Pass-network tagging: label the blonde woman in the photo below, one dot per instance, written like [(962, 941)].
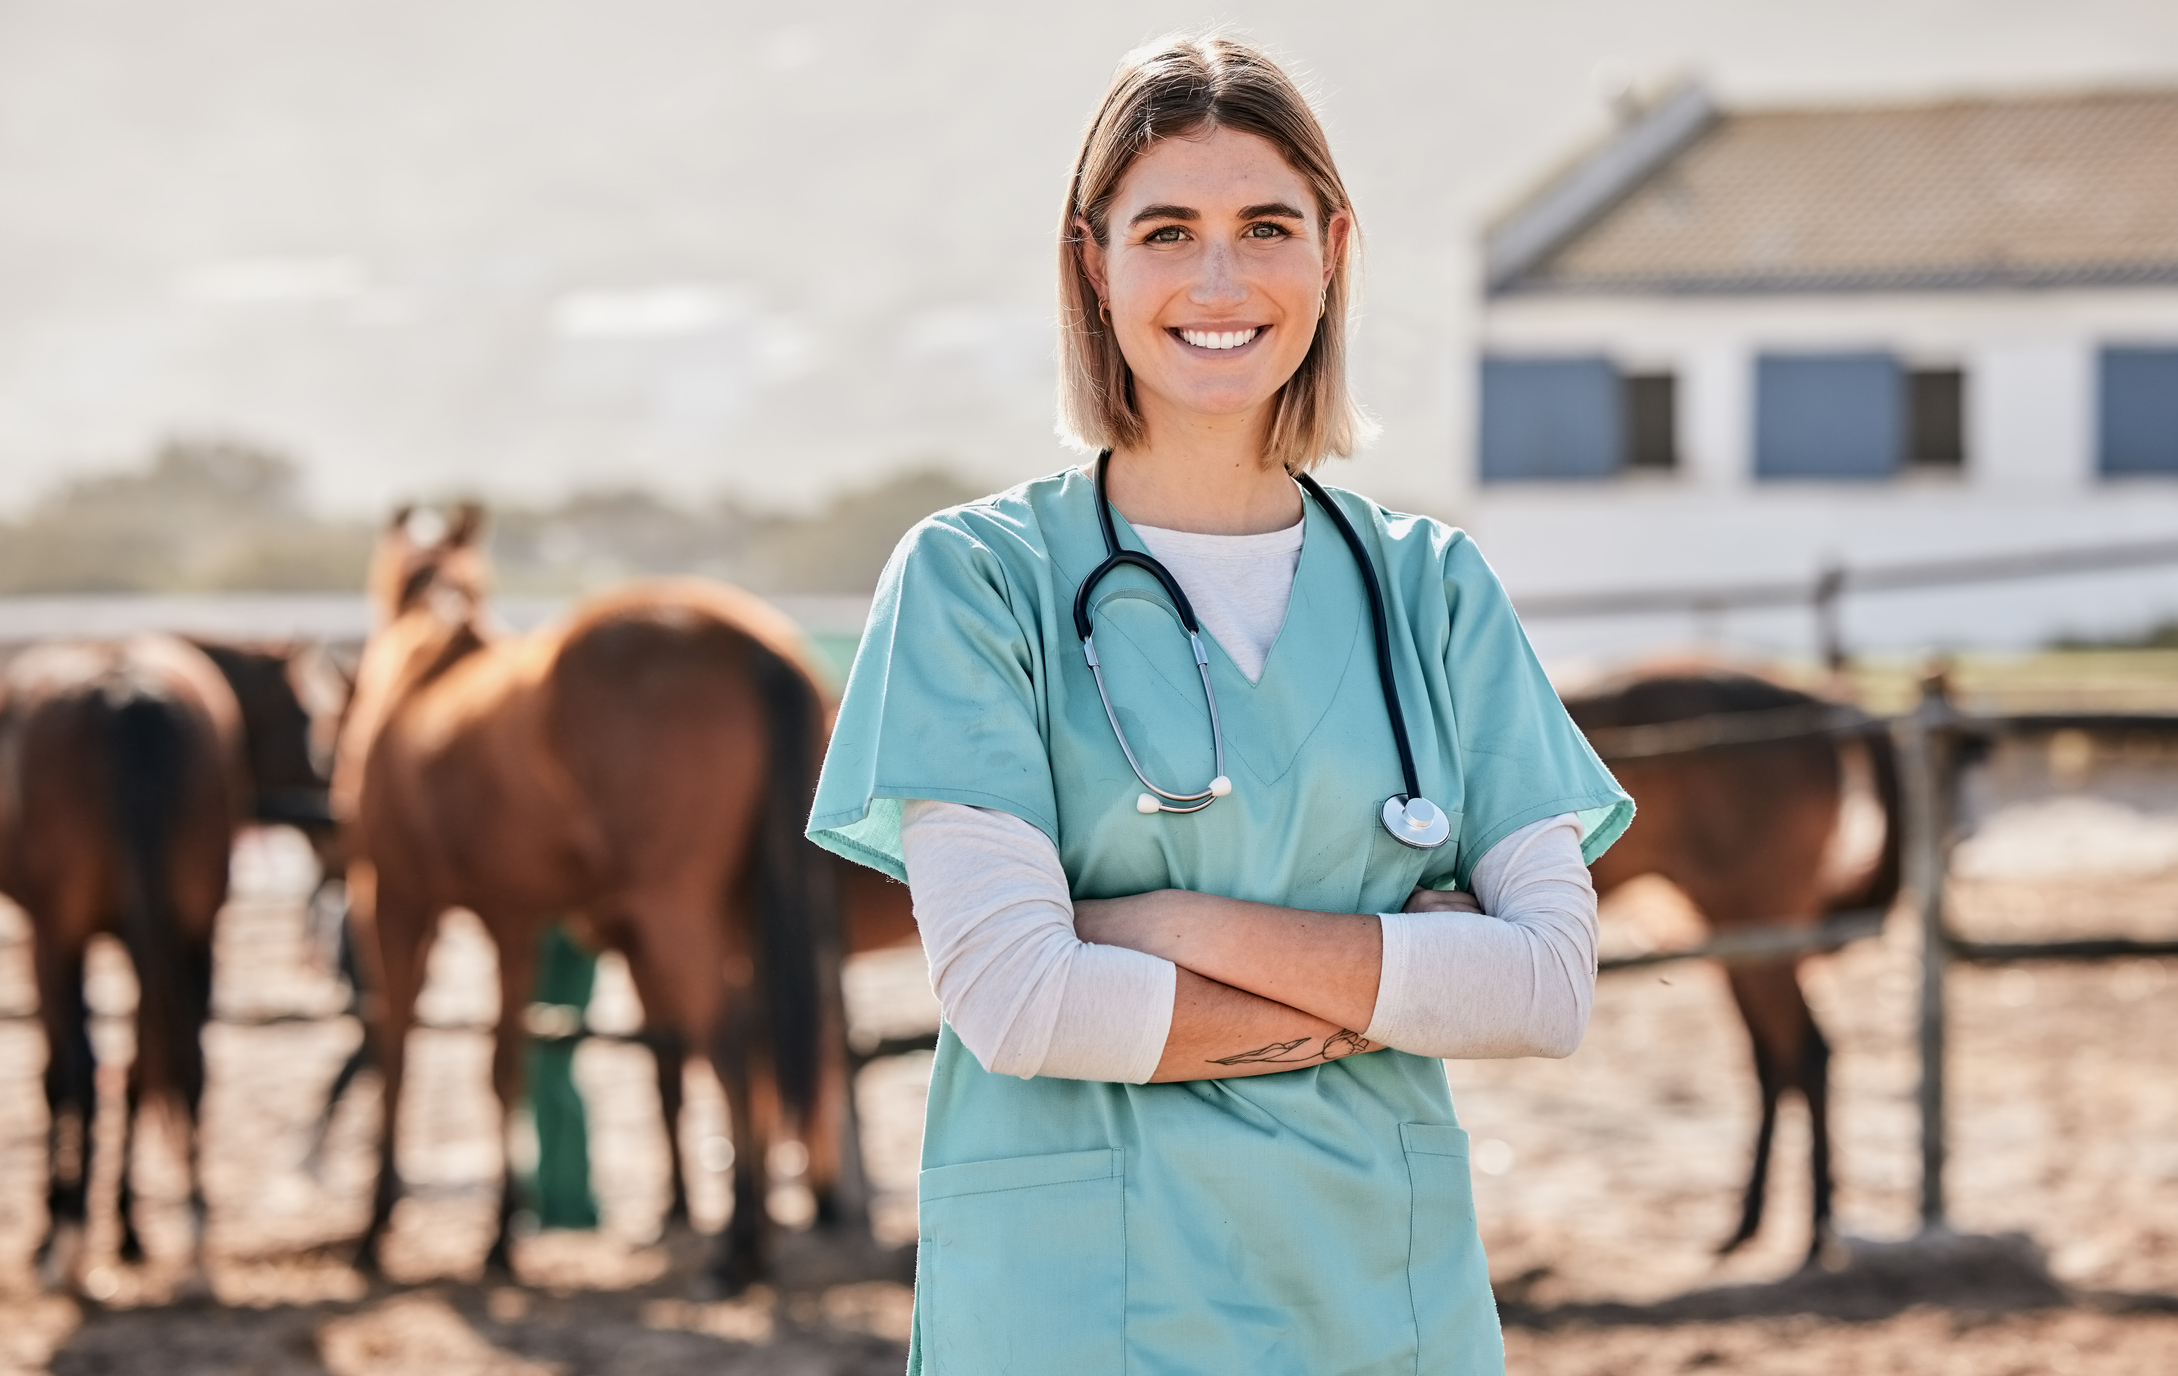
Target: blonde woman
[(1191, 765)]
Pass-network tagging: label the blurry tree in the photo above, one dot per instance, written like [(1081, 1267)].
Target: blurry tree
[(596, 539), (217, 515), (206, 515), (843, 548)]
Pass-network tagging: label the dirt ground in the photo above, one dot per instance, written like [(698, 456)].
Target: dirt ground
[(1603, 1181)]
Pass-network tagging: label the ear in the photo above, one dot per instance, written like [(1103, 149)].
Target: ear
[(1094, 261), (1336, 235), (463, 524)]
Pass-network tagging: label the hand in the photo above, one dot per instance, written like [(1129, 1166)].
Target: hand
[(1441, 901)]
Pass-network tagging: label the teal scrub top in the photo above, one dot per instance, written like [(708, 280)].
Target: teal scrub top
[(1311, 1222)]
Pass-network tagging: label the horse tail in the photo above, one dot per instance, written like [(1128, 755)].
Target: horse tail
[(1880, 888), (797, 900), (149, 734)]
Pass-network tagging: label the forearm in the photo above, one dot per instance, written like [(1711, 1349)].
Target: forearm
[(1518, 982), (1219, 1032), (1324, 964), (1023, 993)]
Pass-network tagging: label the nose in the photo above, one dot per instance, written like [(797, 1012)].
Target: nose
[(1219, 284)]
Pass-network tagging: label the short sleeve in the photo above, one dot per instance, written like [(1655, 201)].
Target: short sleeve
[(1522, 758), (941, 703)]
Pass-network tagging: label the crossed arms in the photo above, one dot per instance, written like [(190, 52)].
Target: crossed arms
[(1260, 989)]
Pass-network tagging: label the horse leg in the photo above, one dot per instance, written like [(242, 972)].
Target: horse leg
[(71, 1099), (743, 1256), (517, 942), (834, 1140), (1758, 1176), (401, 928), (197, 970), (671, 1051), (1815, 1085), (1779, 1030), (131, 1248)]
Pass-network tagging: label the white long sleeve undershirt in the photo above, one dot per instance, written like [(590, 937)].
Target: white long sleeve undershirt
[(1027, 997)]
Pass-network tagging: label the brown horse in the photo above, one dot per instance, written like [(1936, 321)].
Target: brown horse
[(1741, 786), (121, 784), (645, 767)]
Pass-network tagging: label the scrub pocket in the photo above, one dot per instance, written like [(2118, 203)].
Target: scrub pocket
[(1022, 1266), (1455, 1317)]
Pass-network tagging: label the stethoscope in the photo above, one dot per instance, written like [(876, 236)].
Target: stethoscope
[(1411, 819)]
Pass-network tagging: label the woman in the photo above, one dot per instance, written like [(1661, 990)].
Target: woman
[(1187, 1113)]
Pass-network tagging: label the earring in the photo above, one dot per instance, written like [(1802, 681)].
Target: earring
[(1104, 309), (1323, 299)]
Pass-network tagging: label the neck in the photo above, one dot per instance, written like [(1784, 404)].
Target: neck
[(400, 657), (1206, 475)]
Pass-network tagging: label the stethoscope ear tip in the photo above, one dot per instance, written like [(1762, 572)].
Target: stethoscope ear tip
[(1145, 804), (1220, 786)]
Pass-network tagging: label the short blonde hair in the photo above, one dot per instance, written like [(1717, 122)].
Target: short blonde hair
[(1175, 87)]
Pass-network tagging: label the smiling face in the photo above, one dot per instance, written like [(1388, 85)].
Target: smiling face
[(1214, 268)]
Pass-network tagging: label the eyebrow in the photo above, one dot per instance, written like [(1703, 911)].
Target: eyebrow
[(1163, 212), (1269, 210)]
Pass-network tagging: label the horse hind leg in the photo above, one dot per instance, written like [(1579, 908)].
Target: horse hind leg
[(1778, 1029), (400, 934), (71, 1097), (1815, 1086), (837, 1179), (184, 1064), (670, 1050), (743, 1253), (517, 943), (131, 1246), (1758, 1175)]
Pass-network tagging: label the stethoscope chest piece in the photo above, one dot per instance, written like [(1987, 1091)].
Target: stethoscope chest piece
[(1416, 822)]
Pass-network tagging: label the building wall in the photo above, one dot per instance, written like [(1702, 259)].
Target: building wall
[(2029, 481)]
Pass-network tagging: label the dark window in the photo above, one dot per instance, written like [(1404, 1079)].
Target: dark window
[(1550, 418), (2139, 411), (1652, 428), (1936, 418), (1828, 415)]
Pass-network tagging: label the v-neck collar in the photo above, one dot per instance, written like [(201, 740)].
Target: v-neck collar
[(1266, 722)]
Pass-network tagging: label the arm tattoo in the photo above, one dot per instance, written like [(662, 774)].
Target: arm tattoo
[(1298, 1051)]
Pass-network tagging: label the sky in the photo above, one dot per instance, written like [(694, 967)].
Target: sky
[(719, 248)]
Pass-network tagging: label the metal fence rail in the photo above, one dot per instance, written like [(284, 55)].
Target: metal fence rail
[(1935, 744)]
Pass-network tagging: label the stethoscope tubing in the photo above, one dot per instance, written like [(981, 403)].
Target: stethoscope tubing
[(1380, 621)]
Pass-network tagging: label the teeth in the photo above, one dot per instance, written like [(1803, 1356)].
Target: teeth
[(1219, 339)]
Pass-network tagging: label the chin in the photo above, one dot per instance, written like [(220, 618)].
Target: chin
[(1223, 400)]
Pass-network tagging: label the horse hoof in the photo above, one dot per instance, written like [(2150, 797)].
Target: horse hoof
[(194, 1286), (60, 1259), (726, 1280)]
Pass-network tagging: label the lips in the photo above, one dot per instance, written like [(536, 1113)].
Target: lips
[(1219, 339)]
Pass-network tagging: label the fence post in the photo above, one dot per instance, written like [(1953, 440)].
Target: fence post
[(1927, 758)]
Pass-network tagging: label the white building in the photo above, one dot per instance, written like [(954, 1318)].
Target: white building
[(1730, 348)]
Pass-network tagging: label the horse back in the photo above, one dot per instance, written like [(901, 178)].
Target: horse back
[(1743, 827)]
